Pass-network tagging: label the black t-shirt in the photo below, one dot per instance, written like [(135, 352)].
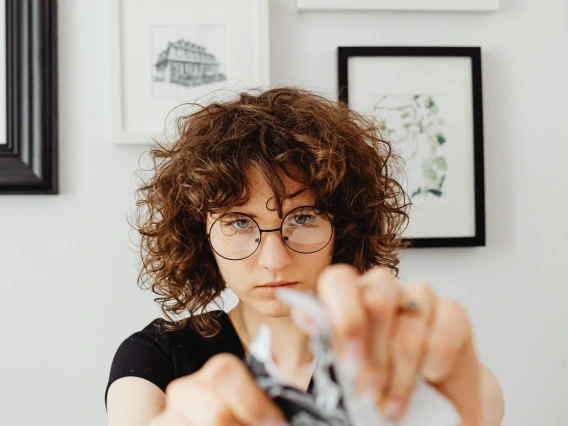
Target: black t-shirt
[(161, 356)]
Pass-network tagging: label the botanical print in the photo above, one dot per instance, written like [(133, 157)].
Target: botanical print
[(416, 126), (186, 57)]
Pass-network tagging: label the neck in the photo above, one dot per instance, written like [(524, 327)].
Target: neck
[(290, 348)]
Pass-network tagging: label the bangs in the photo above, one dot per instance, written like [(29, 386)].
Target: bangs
[(274, 157), (238, 191)]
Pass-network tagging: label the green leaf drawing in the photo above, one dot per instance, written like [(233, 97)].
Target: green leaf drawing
[(430, 175), (433, 143), (439, 163), (420, 123)]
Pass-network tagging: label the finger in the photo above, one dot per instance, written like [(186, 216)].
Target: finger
[(449, 333), (223, 392), (171, 416), (341, 297), (230, 379), (210, 409), (451, 363), (162, 420), (167, 418), (191, 402), (381, 296), (408, 345)]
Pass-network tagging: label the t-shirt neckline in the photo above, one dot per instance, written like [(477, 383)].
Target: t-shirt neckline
[(234, 336)]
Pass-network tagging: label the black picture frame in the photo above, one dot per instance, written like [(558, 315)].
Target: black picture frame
[(28, 162), (344, 53)]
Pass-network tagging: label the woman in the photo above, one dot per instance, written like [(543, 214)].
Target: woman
[(283, 188)]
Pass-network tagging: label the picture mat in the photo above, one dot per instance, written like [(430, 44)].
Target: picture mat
[(140, 114), (3, 99), (452, 215), (464, 5)]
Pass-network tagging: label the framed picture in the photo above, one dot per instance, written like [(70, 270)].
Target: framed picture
[(28, 97), (3, 100), (427, 102), (456, 5), (168, 55)]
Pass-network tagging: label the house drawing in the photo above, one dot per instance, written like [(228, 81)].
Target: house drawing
[(187, 64)]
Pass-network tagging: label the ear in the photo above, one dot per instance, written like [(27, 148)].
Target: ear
[(303, 321)]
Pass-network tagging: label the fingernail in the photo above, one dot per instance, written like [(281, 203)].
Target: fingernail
[(373, 388), (353, 350), (351, 358), (392, 410), (350, 368), (370, 396), (380, 381), (373, 381)]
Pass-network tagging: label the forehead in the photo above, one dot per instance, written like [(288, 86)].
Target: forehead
[(261, 194)]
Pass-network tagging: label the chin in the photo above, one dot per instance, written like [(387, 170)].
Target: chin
[(274, 309)]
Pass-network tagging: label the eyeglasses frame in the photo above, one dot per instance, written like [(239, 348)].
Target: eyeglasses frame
[(208, 235)]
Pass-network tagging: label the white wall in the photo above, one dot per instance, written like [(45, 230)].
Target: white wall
[(67, 272)]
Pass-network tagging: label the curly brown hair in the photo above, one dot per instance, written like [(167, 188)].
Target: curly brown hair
[(336, 152)]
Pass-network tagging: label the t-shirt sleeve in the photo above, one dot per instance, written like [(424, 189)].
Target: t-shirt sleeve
[(146, 354)]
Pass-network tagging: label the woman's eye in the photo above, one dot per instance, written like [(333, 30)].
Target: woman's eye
[(301, 219), (241, 223)]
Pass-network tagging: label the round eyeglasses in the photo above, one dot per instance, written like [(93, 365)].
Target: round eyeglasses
[(236, 236)]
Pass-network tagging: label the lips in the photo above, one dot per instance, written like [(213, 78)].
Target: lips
[(275, 284), (271, 288)]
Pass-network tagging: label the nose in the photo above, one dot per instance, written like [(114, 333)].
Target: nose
[(273, 253)]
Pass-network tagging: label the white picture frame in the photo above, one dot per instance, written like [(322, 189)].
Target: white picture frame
[(229, 41), (433, 5)]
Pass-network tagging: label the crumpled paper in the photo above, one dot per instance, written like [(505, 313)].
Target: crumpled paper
[(333, 400)]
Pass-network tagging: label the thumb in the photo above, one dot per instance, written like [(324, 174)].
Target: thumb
[(463, 387)]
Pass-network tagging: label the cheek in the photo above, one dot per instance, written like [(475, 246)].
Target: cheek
[(313, 264), (233, 272), (225, 266)]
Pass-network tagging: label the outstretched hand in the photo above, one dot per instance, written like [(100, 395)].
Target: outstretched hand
[(398, 333)]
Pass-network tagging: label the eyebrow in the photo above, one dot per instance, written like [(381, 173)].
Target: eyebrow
[(284, 214)]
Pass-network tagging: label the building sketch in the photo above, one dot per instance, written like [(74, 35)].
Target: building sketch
[(188, 64)]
